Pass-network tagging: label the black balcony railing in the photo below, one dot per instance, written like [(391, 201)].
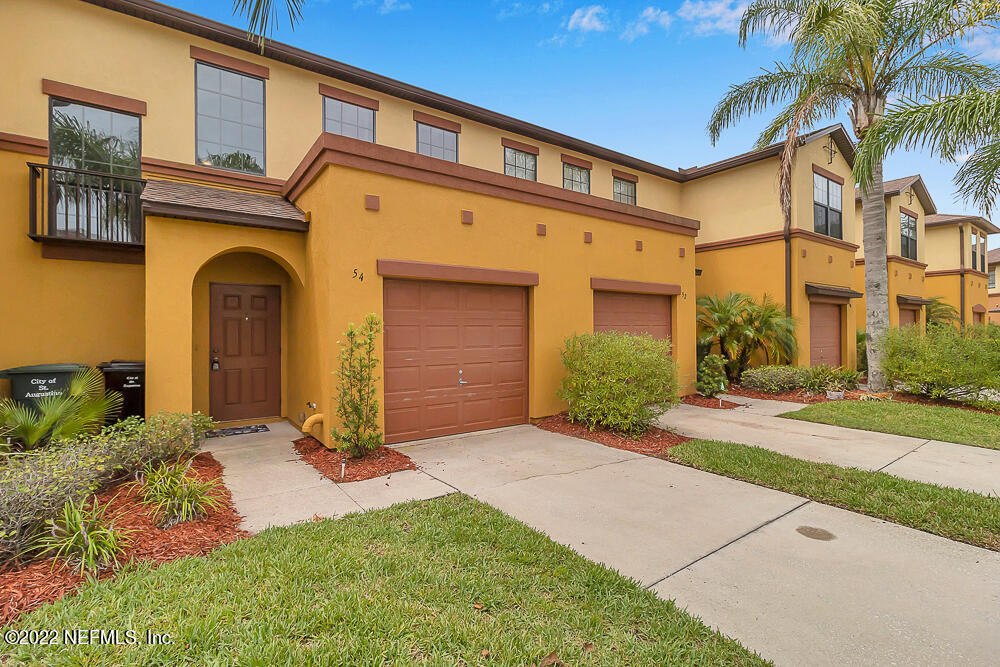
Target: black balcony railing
[(81, 205)]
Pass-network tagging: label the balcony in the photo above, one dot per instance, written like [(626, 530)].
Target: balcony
[(85, 214)]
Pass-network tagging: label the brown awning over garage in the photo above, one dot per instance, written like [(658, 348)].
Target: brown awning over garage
[(914, 301), (832, 292)]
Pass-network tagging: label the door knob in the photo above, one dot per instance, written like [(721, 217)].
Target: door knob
[(215, 364)]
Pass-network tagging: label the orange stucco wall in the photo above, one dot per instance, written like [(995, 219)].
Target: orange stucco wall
[(904, 279)]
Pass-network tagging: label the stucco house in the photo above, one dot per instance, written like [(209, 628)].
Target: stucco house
[(993, 297), (956, 263)]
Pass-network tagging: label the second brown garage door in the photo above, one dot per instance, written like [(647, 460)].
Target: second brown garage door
[(908, 317), (632, 313), (824, 334), (456, 358)]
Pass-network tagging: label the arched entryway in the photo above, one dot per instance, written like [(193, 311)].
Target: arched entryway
[(239, 314)]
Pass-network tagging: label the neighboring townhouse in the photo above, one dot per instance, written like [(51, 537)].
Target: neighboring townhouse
[(956, 263), (993, 297), (907, 205), (745, 246), (224, 214)]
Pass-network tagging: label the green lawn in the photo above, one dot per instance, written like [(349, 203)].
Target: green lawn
[(932, 422), (958, 515), (441, 582)]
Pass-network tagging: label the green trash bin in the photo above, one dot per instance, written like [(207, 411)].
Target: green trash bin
[(30, 383)]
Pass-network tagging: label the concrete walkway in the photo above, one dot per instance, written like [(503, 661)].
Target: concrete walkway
[(272, 486), (945, 463), (744, 558)]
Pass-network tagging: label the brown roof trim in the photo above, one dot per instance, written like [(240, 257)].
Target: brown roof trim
[(739, 241), (204, 214), (91, 251), (822, 238), (832, 292), (979, 308), (633, 286), (909, 212), (956, 272), (577, 161), (229, 62), (904, 260), (897, 185), (19, 143), (905, 300), (211, 175), (826, 173), (398, 268), (192, 24), (518, 145), (943, 220), (434, 121), (624, 175), (348, 96), (68, 91), (344, 151)]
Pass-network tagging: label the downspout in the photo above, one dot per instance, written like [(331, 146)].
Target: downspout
[(309, 423), (961, 272), (788, 264)]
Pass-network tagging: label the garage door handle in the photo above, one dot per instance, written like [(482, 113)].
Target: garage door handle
[(461, 381)]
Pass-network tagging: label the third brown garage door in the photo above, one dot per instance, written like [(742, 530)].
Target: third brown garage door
[(824, 334), (632, 313), (456, 358)]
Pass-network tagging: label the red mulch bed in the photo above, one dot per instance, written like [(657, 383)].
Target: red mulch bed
[(48, 580), (655, 442), (382, 461), (794, 396), (706, 402)]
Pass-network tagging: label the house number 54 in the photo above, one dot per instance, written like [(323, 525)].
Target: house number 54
[(360, 275)]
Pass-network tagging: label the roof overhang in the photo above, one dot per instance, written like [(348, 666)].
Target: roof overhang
[(844, 294), (979, 308), (899, 185), (945, 220), (904, 300)]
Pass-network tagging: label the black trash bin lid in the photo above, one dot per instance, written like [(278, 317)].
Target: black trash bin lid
[(121, 365), (42, 369)]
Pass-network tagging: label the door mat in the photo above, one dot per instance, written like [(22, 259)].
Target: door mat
[(237, 430)]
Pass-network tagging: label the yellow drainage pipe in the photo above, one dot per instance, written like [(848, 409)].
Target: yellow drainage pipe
[(308, 424)]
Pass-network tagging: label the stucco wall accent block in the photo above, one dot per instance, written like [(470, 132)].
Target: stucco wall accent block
[(466, 217), (638, 246), (540, 229), (681, 252), (803, 252), (372, 202), (588, 237)]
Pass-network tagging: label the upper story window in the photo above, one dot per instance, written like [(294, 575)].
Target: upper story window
[(982, 253), (827, 207), (520, 164), (576, 178), (94, 139), (975, 253), (624, 190), (907, 235), (230, 119), (348, 120), (437, 142), (993, 278)]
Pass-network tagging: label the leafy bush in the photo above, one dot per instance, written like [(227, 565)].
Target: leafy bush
[(862, 342), (357, 403), (711, 376), (742, 327), (84, 536), (82, 409), (941, 313), (618, 381), (943, 363), (176, 496), (823, 378), (36, 486), (775, 379)]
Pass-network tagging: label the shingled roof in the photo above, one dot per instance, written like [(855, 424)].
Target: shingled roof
[(953, 219), (897, 185), (175, 199)]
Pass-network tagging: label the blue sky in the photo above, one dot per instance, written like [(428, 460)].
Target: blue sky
[(636, 77)]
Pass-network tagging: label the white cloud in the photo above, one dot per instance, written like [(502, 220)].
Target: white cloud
[(588, 19), (650, 16), (986, 45), (510, 10), (384, 6), (712, 17)]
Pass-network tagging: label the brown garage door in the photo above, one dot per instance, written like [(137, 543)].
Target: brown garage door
[(907, 317), (824, 334), (456, 358), (632, 313)]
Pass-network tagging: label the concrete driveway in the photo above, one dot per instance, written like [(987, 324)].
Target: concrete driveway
[(756, 423), (744, 558)]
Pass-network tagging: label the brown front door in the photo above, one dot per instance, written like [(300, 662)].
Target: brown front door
[(244, 351), (456, 358), (632, 313), (907, 317), (824, 334)]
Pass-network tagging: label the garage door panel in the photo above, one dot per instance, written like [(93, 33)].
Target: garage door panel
[(825, 340), (907, 317), (478, 329), (632, 313)]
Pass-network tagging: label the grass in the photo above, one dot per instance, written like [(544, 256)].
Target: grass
[(931, 422), (952, 513), (446, 581)]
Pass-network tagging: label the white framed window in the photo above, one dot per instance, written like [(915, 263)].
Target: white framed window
[(624, 190), (520, 164), (827, 207), (229, 125), (348, 120), (907, 235), (576, 178), (437, 142)]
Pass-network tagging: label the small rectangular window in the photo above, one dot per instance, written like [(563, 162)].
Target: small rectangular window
[(907, 235), (827, 207), (975, 253), (520, 164), (993, 279), (576, 178), (229, 126), (436, 142), (348, 120), (624, 191)]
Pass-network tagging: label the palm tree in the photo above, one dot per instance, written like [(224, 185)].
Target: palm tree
[(940, 312), (955, 126), (262, 16), (854, 54), (741, 327)]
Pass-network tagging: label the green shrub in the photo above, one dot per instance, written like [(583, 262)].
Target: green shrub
[(862, 342), (775, 379), (176, 496), (943, 363), (357, 402), (35, 486), (712, 378), (618, 381), (822, 378), (84, 536), (741, 328)]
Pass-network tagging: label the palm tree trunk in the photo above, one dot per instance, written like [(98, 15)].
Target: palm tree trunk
[(876, 276)]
